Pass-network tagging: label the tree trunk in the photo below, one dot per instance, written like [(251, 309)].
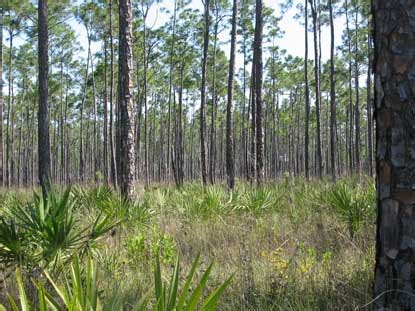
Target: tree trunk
[(369, 107), (114, 173), (332, 99), (105, 108), (212, 157), (203, 95), (307, 98), (350, 106), (394, 42), (81, 126), (357, 103), (258, 93), (43, 113), (170, 91), (230, 165), (319, 162), (125, 101)]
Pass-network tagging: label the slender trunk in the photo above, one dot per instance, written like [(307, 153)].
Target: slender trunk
[(357, 103), (258, 93), (114, 173), (105, 108), (203, 95), (307, 98), (212, 157), (43, 113), (230, 166), (369, 106), (145, 101), (81, 126), (350, 107), (332, 99), (319, 162), (170, 90), (9, 111)]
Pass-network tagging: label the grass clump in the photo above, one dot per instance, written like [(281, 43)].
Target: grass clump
[(291, 245)]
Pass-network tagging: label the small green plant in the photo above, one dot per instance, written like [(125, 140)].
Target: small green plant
[(44, 232), (169, 297), (353, 205), (80, 291), (256, 201)]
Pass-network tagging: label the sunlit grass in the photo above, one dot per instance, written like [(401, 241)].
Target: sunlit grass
[(291, 245)]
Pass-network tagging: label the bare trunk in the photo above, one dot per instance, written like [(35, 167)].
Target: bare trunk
[(230, 166), (395, 165), (43, 113), (125, 101)]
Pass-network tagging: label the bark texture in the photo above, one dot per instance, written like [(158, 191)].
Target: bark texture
[(203, 96), (125, 101), (258, 92), (332, 99), (230, 166), (394, 66), (43, 112)]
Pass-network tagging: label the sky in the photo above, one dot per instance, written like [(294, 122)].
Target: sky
[(292, 39)]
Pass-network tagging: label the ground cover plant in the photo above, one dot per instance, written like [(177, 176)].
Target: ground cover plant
[(291, 245)]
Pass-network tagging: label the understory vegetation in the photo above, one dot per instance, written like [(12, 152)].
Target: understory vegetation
[(291, 245)]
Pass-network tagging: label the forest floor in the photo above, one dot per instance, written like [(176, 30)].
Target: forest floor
[(292, 245)]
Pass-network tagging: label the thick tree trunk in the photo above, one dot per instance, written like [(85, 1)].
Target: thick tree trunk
[(230, 165), (43, 113), (125, 101), (394, 42)]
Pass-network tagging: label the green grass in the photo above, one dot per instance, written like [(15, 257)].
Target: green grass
[(292, 245)]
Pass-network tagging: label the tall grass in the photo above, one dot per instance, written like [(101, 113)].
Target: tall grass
[(291, 245)]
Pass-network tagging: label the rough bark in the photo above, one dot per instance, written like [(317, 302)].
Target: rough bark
[(203, 95), (307, 98), (357, 101), (43, 112), (258, 93), (125, 101), (319, 162), (394, 43), (114, 173), (332, 99), (369, 109), (230, 165)]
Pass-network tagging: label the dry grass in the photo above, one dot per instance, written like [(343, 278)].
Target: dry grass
[(288, 246)]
